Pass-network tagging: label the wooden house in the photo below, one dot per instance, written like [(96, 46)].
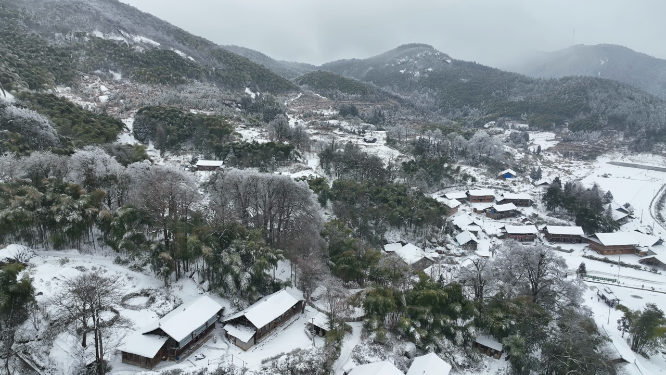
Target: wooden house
[(519, 199), (501, 211), (489, 346), (250, 326), (173, 336), (414, 256), (572, 234), (507, 174), (656, 261), (521, 233), (613, 243), (467, 240), (452, 204), (459, 195), (481, 196), (209, 165)]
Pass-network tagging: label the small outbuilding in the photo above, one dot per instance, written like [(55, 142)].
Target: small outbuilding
[(507, 174), (521, 233), (656, 261), (319, 324), (462, 221), (489, 346), (569, 234)]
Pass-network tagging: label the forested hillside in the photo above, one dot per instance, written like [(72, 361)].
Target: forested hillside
[(477, 94), (602, 60), (62, 37)]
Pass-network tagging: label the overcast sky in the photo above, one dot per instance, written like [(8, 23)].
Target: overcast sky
[(487, 31)]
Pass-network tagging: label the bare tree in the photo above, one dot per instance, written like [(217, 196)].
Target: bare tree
[(537, 272), (83, 303), (477, 275)]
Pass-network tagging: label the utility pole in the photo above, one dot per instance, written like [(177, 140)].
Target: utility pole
[(573, 37)]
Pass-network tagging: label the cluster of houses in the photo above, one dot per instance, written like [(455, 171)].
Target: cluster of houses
[(185, 329), (507, 205)]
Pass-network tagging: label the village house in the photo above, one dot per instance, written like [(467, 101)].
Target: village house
[(620, 214), (613, 243), (429, 364), (467, 240), (507, 174), (655, 261), (459, 195), (451, 204), (501, 211), (209, 165), (410, 254), (250, 326), (519, 199), (570, 234), (462, 221), (521, 232), (481, 196), (544, 182), (177, 334), (489, 346)]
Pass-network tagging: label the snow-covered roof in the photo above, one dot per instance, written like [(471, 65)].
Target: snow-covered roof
[(645, 239), (480, 192), (456, 195), (505, 207), (616, 239), (472, 228), (377, 368), (187, 317), (571, 230), (209, 163), (511, 171), (617, 215), (143, 345), (267, 309), (320, 320), (516, 196), (660, 257), (543, 181), (240, 332), (391, 247), (451, 203), (410, 253), (465, 237), (489, 342), (521, 229), (462, 220), (429, 364)]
